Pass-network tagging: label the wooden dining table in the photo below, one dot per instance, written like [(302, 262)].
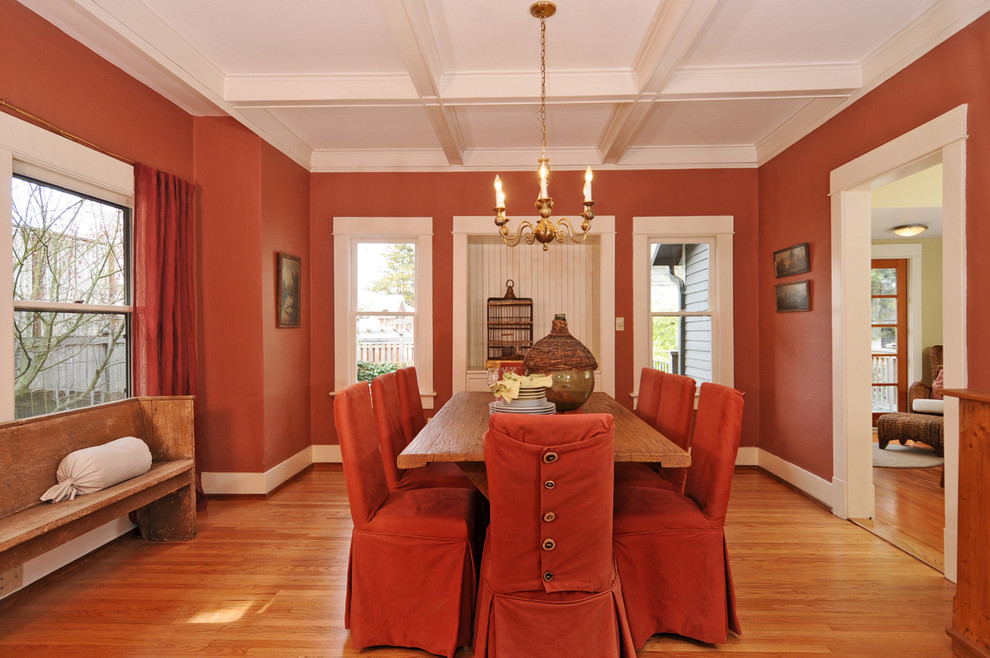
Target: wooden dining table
[(455, 434)]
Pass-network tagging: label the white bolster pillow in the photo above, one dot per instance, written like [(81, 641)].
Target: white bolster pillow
[(92, 469), (923, 406)]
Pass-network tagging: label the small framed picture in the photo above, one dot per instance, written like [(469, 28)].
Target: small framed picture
[(288, 294), (793, 260), (794, 296)]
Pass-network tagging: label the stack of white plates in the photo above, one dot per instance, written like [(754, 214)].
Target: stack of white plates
[(530, 401)]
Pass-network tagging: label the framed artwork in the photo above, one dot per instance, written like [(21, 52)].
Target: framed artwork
[(287, 300), (794, 296), (793, 260)]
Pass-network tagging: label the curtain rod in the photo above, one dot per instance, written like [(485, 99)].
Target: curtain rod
[(58, 131)]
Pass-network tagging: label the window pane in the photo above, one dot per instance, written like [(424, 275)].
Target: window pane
[(67, 248), (683, 345), (679, 277), (68, 360), (386, 277), (884, 310), (384, 344), (667, 343), (883, 281), (884, 340)]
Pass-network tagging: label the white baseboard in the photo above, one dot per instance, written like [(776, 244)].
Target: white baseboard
[(950, 542), (46, 563), (327, 453), (809, 483), (816, 487), (258, 483), (748, 456)]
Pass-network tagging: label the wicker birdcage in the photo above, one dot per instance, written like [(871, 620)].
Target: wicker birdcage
[(510, 326)]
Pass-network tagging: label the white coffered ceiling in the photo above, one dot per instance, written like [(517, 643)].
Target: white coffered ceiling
[(360, 85)]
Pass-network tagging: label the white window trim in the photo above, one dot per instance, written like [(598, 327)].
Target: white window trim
[(715, 229), (347, 232), (32, 151)]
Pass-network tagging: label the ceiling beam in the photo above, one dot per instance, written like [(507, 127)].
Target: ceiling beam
[(671, 34), (408, 23)]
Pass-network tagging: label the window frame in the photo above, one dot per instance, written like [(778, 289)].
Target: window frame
[(717, 231), (32, 152), (348, 232)]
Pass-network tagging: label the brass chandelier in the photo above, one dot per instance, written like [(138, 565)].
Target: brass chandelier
[(545, 230)]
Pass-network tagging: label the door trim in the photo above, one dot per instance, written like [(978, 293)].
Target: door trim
[(943, 138)]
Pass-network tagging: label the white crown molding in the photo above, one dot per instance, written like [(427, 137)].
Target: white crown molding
[(656, 157)]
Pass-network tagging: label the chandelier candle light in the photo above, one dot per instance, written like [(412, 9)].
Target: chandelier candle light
[(545, 230)]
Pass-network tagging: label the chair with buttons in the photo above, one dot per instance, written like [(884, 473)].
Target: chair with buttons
[(411, 576), (548, 582), (671, 398), (392, 438), (670, 546)]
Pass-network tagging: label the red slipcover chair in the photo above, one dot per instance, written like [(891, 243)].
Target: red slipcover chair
[(649, 395), (392, 438), (549, 585), (670, 546), (672, 399), (410, 403), (411, 578)]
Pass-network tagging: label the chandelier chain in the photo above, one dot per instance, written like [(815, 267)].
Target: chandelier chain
[(543, 82)]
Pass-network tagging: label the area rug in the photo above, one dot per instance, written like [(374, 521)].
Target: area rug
[(897, 456)]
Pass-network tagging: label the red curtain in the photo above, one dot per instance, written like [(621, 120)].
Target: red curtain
[(164, 322), (164, 309)]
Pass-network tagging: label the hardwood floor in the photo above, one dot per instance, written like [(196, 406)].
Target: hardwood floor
[(910, 511), (267, 578)]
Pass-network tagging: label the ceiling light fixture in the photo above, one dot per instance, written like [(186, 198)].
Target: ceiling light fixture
[(909, 230), (545, 230)]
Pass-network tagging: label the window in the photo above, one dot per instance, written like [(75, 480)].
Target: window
[(385, 307), (71, 299), (683, 296), (383, 290), (68, 288), (680, 311)]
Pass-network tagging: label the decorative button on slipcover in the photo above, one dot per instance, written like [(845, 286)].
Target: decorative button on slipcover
[(411, 578), (670, 547), (544, 594)]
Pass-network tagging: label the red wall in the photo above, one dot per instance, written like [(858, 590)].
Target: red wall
[(285, 228), (230, 411), (444, 195), (795, 348)]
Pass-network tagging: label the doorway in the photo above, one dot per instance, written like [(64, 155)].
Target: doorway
[(942, 139)]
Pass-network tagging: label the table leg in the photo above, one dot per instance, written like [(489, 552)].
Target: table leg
[(475, 471)]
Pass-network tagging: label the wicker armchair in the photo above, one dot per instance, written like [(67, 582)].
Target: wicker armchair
[(921, 390), (920, 427)]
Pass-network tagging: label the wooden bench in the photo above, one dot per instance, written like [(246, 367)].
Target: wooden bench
[(31, 450)]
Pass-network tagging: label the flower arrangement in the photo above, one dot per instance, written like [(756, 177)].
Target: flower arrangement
[(508, 387)]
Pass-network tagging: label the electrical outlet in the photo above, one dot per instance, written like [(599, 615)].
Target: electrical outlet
[(11, 580), (620, 324)]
